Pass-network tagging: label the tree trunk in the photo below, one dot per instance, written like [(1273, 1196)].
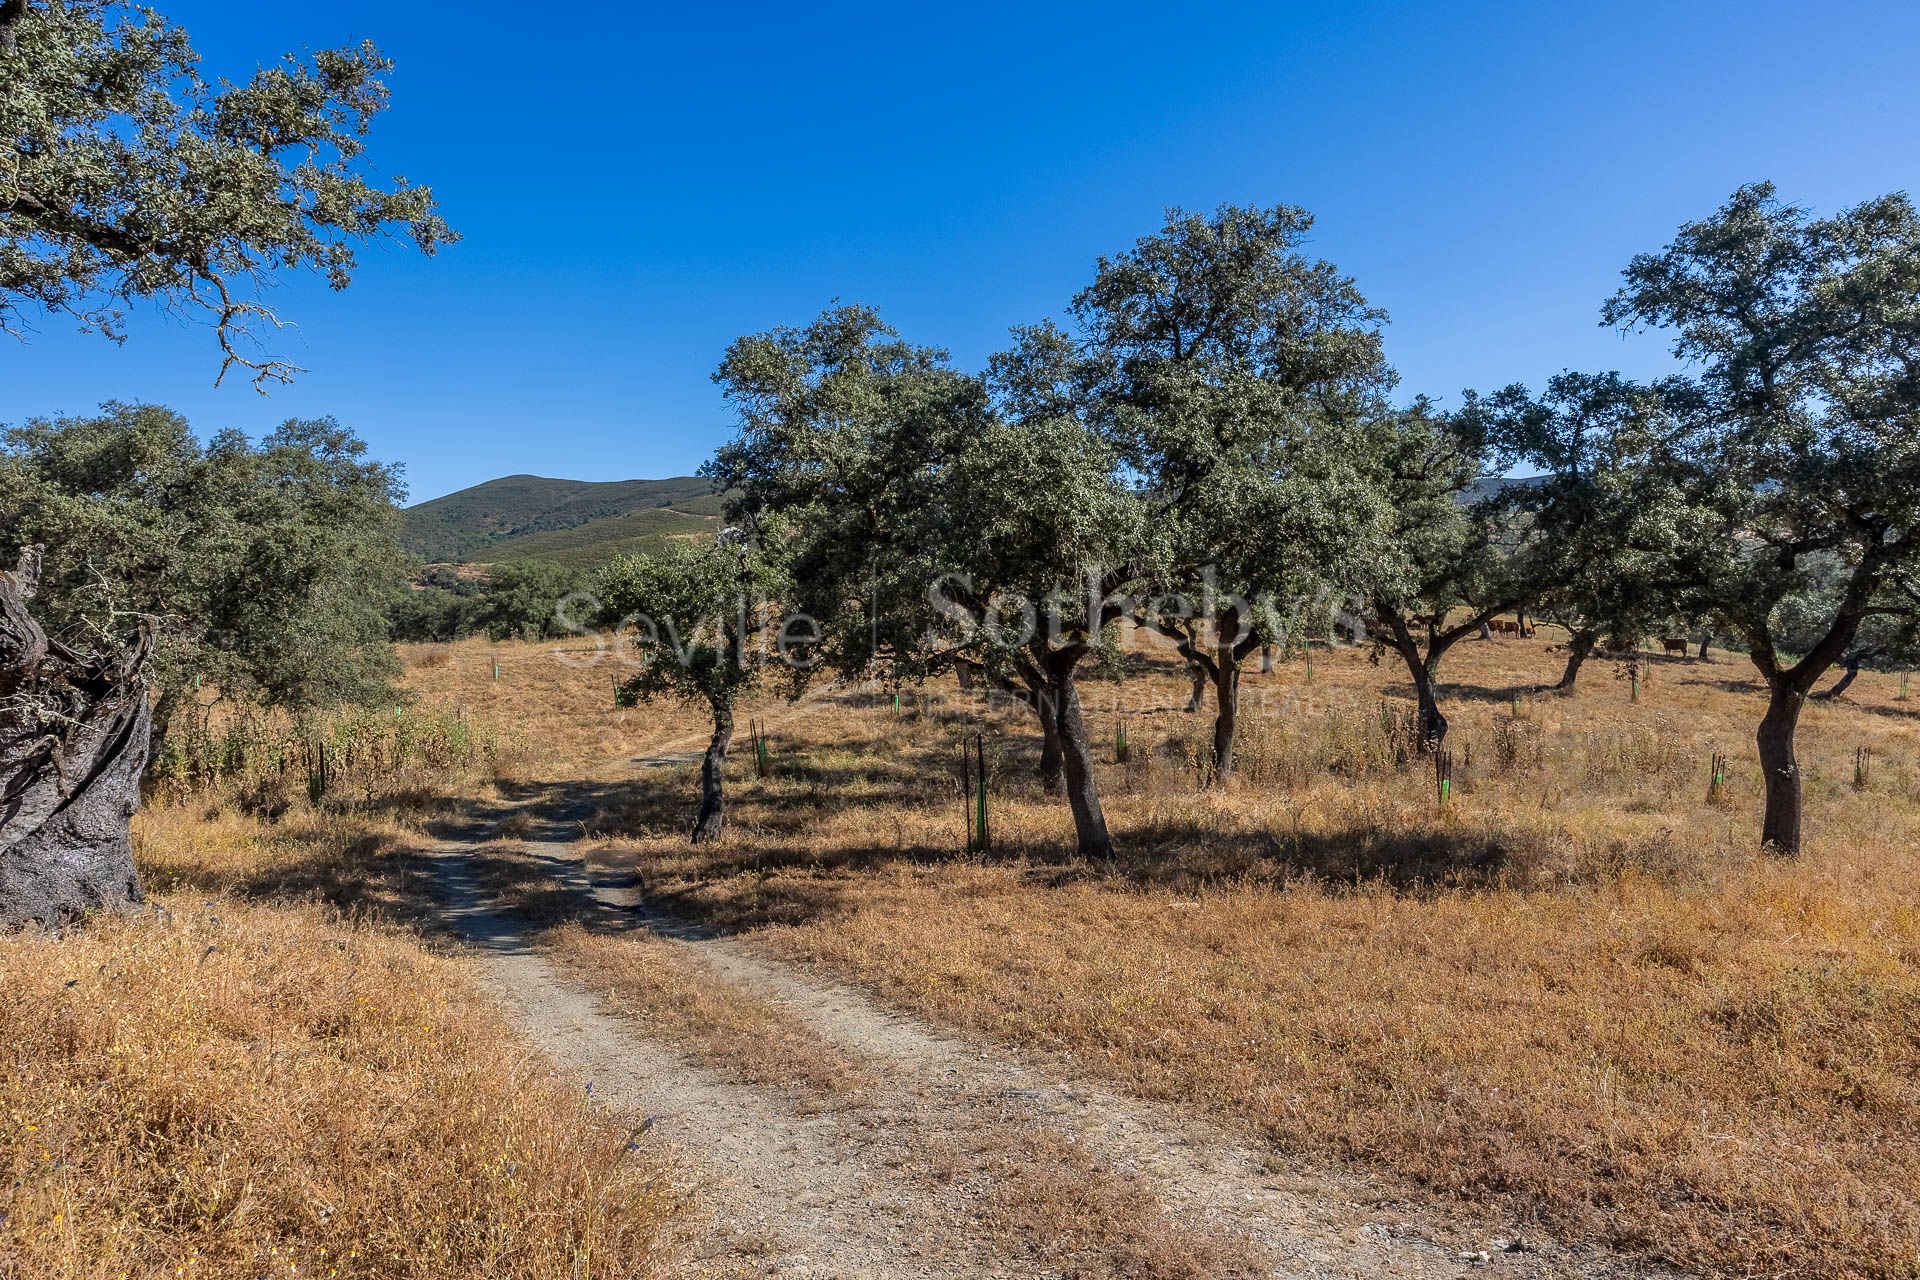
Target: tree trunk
[(1089, 822), (1198, 696), (1226, 714), (1846, 679), (1705, 638), (1780, 831), (1266, 659), (1579, 649), (1433, 724), (713, 799), (1053, 761), (11, 13), (74, 734)]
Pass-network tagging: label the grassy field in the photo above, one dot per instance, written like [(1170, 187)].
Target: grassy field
[(1574, 990), (267, 1076)]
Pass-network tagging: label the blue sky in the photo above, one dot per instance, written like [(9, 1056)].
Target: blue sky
[(639, 185)]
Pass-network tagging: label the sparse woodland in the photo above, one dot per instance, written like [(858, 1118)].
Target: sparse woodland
[(1510, 799)]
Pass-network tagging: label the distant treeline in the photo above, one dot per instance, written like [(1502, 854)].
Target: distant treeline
[(521, 600)]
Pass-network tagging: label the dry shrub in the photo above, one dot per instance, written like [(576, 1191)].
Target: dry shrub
[(1515, 746), (270, 759), (1637, 752), (246, 1091), (363, 862)]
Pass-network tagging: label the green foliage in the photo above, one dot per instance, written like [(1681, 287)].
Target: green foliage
[(1235, 376), (927, 501), (516, 601), (846, 432), (1804, 455), (1615, 529), (700, 616), (128, 176), (1453, 535), (436, 606), (572, 522), (530, 601), (264, 564)]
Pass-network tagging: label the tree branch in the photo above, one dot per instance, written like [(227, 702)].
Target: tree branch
[(11, 12)]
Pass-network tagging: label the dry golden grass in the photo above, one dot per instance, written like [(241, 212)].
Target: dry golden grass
[(260, 1078), (674, 995), (232, 1089), (550, 709), (1048, 1204), (1576, 990)]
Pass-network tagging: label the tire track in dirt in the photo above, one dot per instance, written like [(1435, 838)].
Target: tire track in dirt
[(1208, 1183), (783, 1194), (797, 1191)]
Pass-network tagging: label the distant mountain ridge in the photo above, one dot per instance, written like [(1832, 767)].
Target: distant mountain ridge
[(578, 522)]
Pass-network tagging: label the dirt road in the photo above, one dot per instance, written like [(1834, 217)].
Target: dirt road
[(955, 1159)]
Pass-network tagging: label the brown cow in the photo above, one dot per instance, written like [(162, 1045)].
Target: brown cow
[(1674, 644)]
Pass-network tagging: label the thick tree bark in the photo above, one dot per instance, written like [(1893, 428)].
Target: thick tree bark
[(1266, 659), (74, 733), (1780, 829), (1089, 821), (1053, 760), (1433, 723), (11, 12), (1706, 637), (713, 800), (1039, 696), (1226, 713), (1579, 649), (1198, 694)]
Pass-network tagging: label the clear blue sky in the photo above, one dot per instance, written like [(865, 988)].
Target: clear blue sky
[(639, 185)]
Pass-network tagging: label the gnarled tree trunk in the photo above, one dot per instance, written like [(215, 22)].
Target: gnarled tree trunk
[(1851, 663), (1226, 715), (1780, 768), (713, 799), (1053, 759), (1083, 797), (1197, 694), (1420, 667), (1579, 649), (74, 733)]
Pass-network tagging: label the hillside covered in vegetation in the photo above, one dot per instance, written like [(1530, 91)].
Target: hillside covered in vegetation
[(573, 522)]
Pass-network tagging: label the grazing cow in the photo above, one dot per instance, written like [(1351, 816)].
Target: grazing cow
[(1674, 644)]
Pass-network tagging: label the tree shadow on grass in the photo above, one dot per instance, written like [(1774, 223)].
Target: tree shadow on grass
[(737, 885)]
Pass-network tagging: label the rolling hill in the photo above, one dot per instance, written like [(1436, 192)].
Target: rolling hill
[(576, 522)]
